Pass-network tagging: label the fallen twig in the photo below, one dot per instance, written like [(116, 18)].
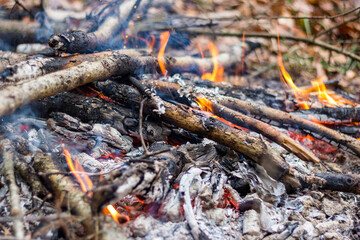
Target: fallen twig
[(8, 155), (268, 35)]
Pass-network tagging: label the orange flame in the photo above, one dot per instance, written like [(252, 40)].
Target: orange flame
[(86, 184), (119, 218), (206, 105), (164, 38), (218, 70), (286, 78), (84, 180), (330, 100)]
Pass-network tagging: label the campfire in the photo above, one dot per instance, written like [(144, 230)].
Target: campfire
[(144, 119)]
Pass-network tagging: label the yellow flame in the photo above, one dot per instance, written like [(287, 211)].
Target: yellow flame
[(204, 103), (164, 38), (218, 70), (286, 78)]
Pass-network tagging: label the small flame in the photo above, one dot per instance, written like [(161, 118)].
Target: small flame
[(286, 78), (119, 218), (86, 184), (164, 38), (206, 105), (323, 95), (84, 180), (329, 100), (218, 70)]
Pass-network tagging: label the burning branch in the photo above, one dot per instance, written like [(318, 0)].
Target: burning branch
[(262, 128)]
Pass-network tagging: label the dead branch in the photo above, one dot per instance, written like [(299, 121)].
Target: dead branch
[(40, 66), (256, 149), (261, 111), (268, 35), (8, 155), (31, 178), (15, 96), (337, 26), (296, 122), (79, 41), (62, 185), (339, 113), (265, 129)]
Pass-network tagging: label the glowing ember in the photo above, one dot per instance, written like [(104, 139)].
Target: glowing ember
[(316, 145), (218, 70), (86, 184), (164, 38)]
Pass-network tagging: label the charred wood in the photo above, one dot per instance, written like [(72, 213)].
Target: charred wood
[(79, 41), (332, 181), (332, 114), (296, 122), (150, 181), (256, 149), (264, 129), (193, 121)]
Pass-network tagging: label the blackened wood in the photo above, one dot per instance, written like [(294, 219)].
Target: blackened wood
[(10, 58), (296, 122), (264, 129), (332, 181), (339, 113)]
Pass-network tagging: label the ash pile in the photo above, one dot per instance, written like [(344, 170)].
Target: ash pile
[(122, 128)]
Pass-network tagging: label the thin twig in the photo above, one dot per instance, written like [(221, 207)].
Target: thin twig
[(26, 10), (140, 126), (268, 35), (336, 26), (237, 18), (131, 14)]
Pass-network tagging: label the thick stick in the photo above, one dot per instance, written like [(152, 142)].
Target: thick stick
[(256, 149), (253, 109), (40, 66), (62, 185), (296, 122), (332, 181), (14, 96), (80, 42), (265, 129), (8, 155)]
